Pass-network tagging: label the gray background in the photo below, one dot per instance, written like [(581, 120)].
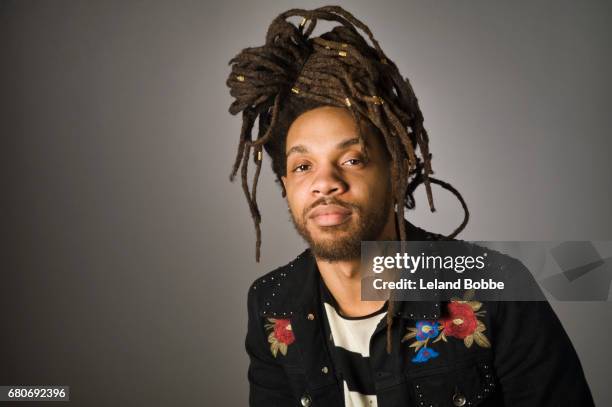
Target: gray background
[(128, 253)]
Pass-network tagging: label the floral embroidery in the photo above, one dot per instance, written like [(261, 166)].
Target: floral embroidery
[(281, 335), (426, 329), (461, 323), (424, 355)]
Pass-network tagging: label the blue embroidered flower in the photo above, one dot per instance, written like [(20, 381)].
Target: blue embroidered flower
[(424, 355), (427, 329)]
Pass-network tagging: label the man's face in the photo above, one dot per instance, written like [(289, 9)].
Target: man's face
[(336, 199)]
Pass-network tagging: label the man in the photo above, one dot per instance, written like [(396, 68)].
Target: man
[(347, 143)]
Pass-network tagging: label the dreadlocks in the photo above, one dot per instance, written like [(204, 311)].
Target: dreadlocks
[(292, 73)]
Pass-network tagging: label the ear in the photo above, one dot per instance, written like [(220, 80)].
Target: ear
[(282, 180)]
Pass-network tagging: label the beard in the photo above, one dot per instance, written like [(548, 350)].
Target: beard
[(343, 241)]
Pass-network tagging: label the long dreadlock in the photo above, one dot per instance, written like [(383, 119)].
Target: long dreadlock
[(293, 72)]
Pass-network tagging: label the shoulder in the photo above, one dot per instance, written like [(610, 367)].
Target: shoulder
[(276, 291), (498, 262), (273, 279), (419, 234), (520, 283)]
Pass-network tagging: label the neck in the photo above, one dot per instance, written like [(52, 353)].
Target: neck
[(343, 278)]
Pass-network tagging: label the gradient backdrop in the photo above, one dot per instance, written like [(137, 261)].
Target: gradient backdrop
[(129, 254)]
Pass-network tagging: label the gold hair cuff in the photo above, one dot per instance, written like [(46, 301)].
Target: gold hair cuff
[(303, 22), (259, 155), (377, 100), (240, 78), (342, 53), (347, 101), (295, 90)]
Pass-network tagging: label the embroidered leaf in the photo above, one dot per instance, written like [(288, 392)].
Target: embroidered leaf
[(417, 345), (481, 340), (409, 335), (475, 305), (283, 348), (441, 337), (270, 324), (481, 326), (274, 348), (468, 340), (469, 295), (271, 338)]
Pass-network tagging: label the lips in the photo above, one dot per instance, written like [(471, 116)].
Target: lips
[(329, 215)]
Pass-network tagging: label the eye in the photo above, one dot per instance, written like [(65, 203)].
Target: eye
[(301, 168), (353, 161)]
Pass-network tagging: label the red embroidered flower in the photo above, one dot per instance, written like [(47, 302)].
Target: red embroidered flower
[(283, 331), (461, 321), (280, 336)]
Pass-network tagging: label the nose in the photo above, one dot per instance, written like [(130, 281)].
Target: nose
[(328, 181)]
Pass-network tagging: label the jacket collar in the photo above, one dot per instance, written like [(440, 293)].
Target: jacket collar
[(301, 292)]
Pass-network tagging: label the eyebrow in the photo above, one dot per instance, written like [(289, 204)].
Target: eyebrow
[(340, 146)]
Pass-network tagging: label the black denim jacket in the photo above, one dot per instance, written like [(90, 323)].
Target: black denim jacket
[(530, 361)]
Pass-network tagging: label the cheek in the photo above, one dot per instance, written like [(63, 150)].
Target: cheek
[(295, 198), (370, 186), (297, 187)]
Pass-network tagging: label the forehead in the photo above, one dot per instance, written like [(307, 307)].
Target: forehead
[(324, 127)]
